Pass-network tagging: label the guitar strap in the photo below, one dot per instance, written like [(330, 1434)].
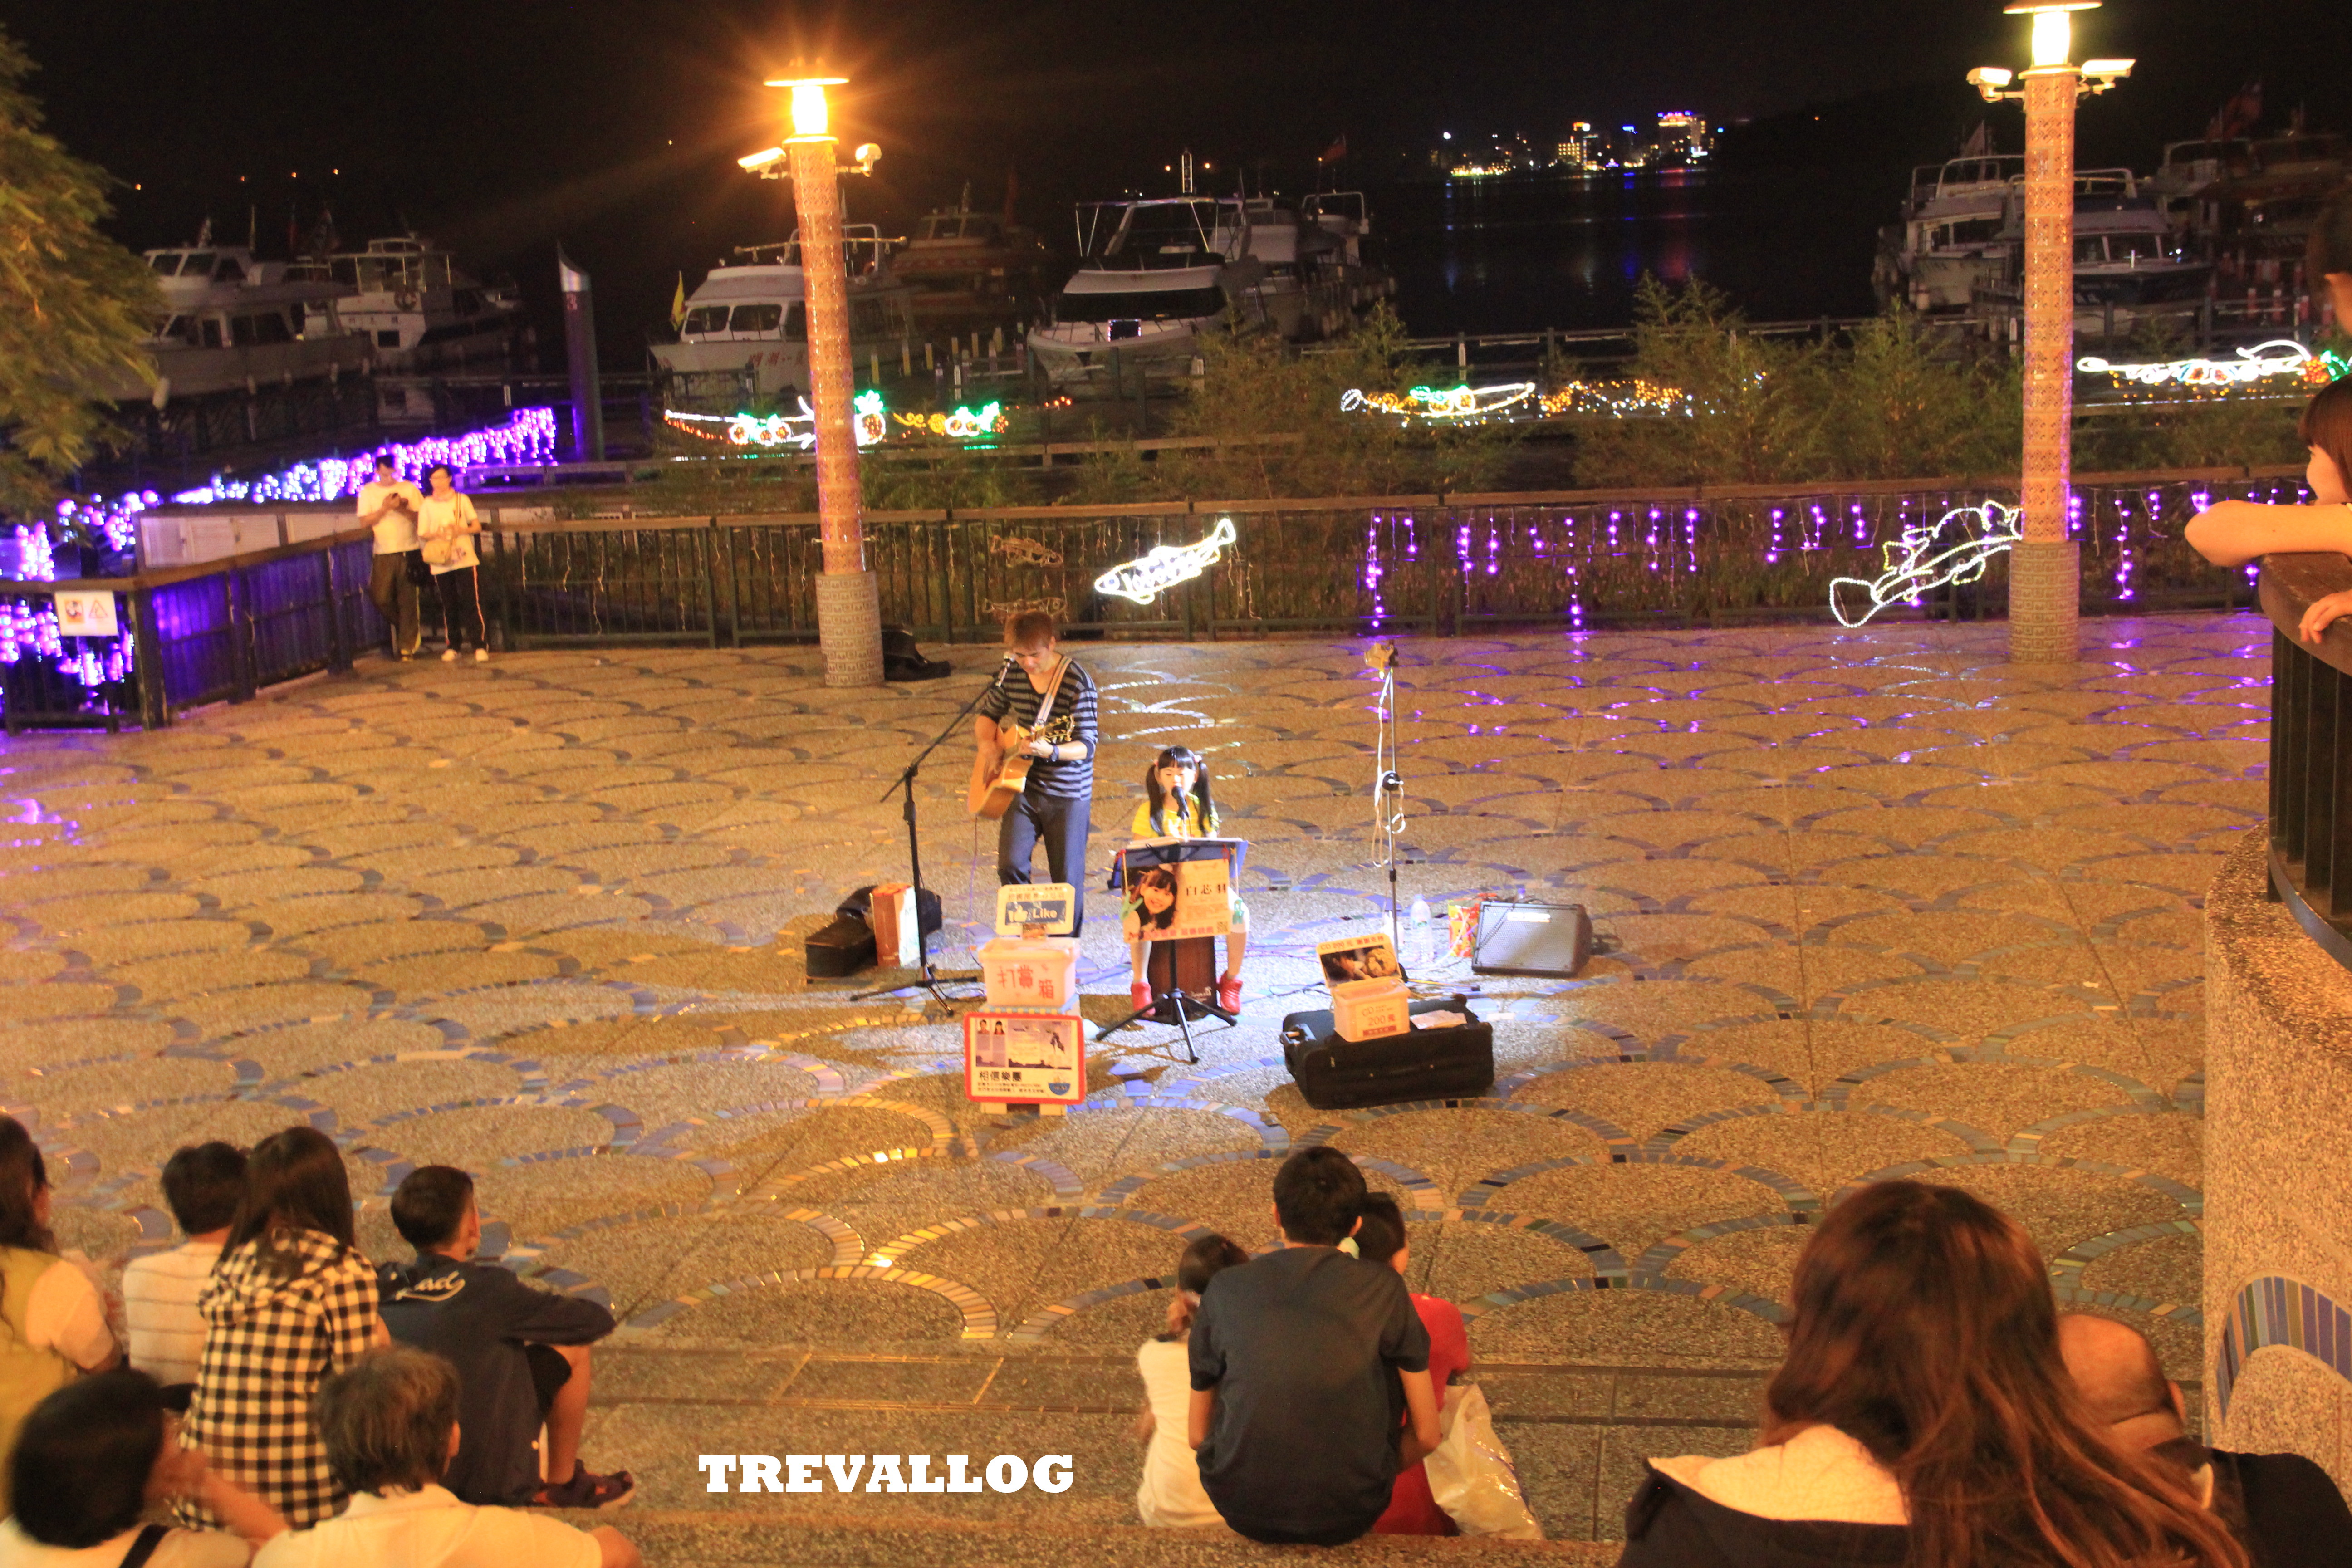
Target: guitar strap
[(1046, 700)]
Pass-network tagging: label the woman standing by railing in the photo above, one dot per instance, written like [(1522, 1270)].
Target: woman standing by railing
[(446, 526)]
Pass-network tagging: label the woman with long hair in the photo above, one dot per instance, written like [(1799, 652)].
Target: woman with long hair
[(446, 527), (290, 1301), (52, 1319), (1922, 1416), (1178, 804), (2233, 532)]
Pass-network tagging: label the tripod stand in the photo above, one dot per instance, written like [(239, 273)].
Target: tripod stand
[(930, 980), (1169, 963), (1388, 785)]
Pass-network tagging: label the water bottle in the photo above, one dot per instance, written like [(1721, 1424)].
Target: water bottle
[(1421, 930)]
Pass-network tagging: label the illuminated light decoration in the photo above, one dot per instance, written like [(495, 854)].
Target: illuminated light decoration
[(1440, 402), (1617, 399), (1144, 580), (2279, 357), (528, 438), (1926, 558), (959, 423), (772, 431), (1611, 399)]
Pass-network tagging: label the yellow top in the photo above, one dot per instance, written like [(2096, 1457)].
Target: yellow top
[(1181, 820)]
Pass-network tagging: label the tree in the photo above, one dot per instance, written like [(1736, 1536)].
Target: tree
[(76, 309)]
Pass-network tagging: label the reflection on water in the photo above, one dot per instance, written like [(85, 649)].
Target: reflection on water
[(1532, 251)]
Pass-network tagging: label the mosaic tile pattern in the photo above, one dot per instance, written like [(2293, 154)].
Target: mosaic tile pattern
[(1875, 903), (2276, 1311)]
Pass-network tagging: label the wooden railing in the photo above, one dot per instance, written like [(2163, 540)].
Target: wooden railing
[(2311, 750)]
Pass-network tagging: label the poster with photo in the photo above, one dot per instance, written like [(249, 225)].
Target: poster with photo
[(1179, 888), (1352, 959), (1036, 1056)]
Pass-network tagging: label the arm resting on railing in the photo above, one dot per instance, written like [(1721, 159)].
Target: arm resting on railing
[(2304, 594), (2233, 533)]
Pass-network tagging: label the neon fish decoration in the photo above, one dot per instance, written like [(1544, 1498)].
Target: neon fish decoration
[(2279, 357), (1146, 579), (1440, 402), (1954, 548)]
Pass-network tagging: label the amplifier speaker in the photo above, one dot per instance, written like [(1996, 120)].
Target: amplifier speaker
[(1552, 940), (843, 947)]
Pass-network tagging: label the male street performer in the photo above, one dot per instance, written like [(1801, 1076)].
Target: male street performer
[(1053, 803)]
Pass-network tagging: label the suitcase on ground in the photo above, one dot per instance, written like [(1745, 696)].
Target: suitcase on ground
[(1420, 1064), (842, 948)]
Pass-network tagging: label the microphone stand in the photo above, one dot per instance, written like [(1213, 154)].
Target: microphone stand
[(931, 979)]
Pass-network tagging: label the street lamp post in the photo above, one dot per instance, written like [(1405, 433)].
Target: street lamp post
[(848, 606), (2045, 566)]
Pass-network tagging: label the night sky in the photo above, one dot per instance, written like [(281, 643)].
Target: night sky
[(503, 126)]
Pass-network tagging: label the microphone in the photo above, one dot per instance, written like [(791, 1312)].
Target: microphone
[(1003, 671)]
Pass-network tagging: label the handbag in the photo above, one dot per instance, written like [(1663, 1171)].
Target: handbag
[(420, 575), (440, 549), (1471, 1474)]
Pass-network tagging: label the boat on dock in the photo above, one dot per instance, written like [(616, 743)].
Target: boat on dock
[(1158, 276), (1949, 242), (234, 322), (417, 306), (744, 336), (970, 270)]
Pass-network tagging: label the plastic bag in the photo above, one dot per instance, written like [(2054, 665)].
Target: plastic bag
[(1471, 1474)]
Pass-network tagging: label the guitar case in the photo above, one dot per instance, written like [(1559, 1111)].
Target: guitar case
[(1333, 1074)]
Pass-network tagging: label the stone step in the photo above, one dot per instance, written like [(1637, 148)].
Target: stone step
[(1578, 1431), (683, 1538)]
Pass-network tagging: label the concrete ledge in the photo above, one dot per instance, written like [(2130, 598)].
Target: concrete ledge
[(2278, 1177)]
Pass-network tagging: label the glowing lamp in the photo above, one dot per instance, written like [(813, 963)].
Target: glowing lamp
[(810, 116), (760, 160), (1990, 79), (2053, 40), (2053, 30)]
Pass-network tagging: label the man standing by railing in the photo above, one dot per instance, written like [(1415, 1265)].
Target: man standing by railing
[(389, 504)]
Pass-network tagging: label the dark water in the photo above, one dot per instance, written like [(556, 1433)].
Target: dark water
[(1532, 251)]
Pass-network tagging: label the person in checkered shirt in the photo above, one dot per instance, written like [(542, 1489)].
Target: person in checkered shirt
[(291, 1302)]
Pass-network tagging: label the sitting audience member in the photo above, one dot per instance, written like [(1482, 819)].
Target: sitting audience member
[(1922, 1417), (1170, 1493), (521, 1355), (389, 1422), (1412, 1510), (291, 1300), (89, 1461), (52, 1319), (1304, 1365), (2283, 1508), (202, 1185)]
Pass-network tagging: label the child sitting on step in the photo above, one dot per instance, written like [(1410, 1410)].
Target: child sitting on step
[(1170, 1492), (1177, 805)]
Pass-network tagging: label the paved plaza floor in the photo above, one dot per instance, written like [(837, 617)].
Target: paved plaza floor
[(1875, 903)]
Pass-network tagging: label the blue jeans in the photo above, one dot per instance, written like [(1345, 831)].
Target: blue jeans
[(1061, 823)]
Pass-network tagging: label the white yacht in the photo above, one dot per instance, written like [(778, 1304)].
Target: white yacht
[(745, 333), (1159, 275), (417, 307), (1344, 216), (1949, 241), (232, 322), (2129, 260)]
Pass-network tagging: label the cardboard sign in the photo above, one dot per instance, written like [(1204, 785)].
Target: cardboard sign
[(1176, 899), (1052, 905), (1038, 1057), (84, 613)]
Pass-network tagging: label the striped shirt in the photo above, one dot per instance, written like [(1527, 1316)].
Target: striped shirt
[(159, 1301), (1073, 696)]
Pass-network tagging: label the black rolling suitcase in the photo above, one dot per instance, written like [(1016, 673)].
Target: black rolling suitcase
[(1420, 1064)]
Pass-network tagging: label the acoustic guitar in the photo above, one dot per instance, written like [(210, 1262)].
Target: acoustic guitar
[(992, 798)]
